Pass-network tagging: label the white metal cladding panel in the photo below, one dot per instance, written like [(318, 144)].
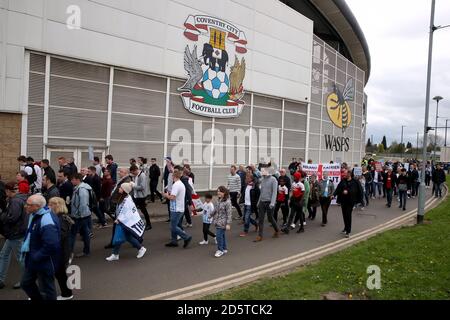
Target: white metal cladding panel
[(329, 71), (316, 95), (262, 101), (314, 156), (357, 145), (34, 147), (327, 128), (288, 154), (54, 142), (358, 122), (177, 110), (123, 151), (139, 80), (229, 155), (316, 110), (357, 158), (184, 130), (73, 69), (220, 175), (135, 127), (36, 88), (76, 123), (314, 126), (266, 118), (231, 135), (348, 157), (351, 69), (314, 141), (341, 78), (316, 73), (358, 133), (37, 63), (137, 101), (295, 107), (78, 94), (201, 181), (341, 63), (294, 121), (243, 119), (325, 156), (35, 120), (292, 139)]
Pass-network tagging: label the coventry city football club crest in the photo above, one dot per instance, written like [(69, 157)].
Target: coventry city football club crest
[(214, 87)]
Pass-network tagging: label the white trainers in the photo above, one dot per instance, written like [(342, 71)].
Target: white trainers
[(218, 254), (203, 242), (113, 257), (178, 238), (61, 298), (304, 223), (141, 252), (293, 226)]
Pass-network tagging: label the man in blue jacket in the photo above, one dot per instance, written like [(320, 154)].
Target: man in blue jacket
[(41, 250)]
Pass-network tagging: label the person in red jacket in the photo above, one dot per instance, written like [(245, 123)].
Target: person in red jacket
[(105, 193), (22, 182)]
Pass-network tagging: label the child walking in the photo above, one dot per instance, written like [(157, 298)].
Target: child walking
[(208, 210), (222, 219), (251, 198)]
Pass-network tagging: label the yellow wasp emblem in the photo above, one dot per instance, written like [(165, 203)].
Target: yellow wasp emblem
[(337, 105)]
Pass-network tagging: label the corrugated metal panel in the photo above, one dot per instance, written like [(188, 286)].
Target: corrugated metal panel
[(316, 111), (177, 110), (314, 141), (316, 95), (123, 151), (36, 88), (78, 94), (314, 126), (139, 80), (138, 101), (175, 84), (294, 139), (262, 101), (295, 121), (130, 127), (314, 156), (220, 177), (201, 178), (55, 143), (266, 118), (37, 62), (228, 155), (232, 134), (341, 78), (35, 147), (77, 124), (35, 120), (288, 154), (325, 156), (295, 107), (244, 118), (327, 128), (73, 69), (329, 71), (181, 126)]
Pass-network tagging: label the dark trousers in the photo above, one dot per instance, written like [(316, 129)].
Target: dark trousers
[(81, 226), (154, 190), (297, 213), (105, 205), (46, 282), (312, 212), (140, 204), (284, 210), (414, 189), (427, 180), (100, 215), (234, 203), (263, 208), (207, 232), (347, 209), (325, 205), (61, 276), (403, 196), (187, 214), (389, 196)]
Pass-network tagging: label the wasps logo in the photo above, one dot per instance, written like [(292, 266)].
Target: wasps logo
[(337, 105)]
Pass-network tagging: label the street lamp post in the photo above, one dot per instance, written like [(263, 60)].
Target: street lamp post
[(401, 143), (437, 99), (445, 142), (421, 204), (417, 147)]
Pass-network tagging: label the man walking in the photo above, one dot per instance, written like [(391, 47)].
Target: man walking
[(65, 187), (13, 226), (438, 180), (112, 167), (177, 207), (48, 171), (98, 167), (266, 205), (234, 185), (81, 214), (390, 180), (140, 193), (50, 188), (155, 173), (41, 250), (348, 194), (96, 184)]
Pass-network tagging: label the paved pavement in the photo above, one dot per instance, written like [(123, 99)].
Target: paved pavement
[(164, 269)]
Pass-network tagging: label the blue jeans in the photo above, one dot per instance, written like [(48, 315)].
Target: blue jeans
[(437, 189), (175, 218), (5, 256), (248, 218), (46, 282), (132, 240), (81, 226), (221, 240)]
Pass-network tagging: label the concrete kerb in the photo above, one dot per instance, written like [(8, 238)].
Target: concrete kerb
[(213, 286)]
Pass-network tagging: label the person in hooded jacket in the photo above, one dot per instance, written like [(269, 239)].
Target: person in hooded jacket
[(13, 226)]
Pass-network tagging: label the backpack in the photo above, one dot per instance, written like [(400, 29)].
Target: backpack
[(33, 177), (92, 200)]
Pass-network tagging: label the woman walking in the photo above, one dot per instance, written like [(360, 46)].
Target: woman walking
[(314, 194), (326, 190), (129, 225), (58, 207)]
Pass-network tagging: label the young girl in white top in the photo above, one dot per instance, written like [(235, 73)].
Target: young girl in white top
[(208, 210)]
